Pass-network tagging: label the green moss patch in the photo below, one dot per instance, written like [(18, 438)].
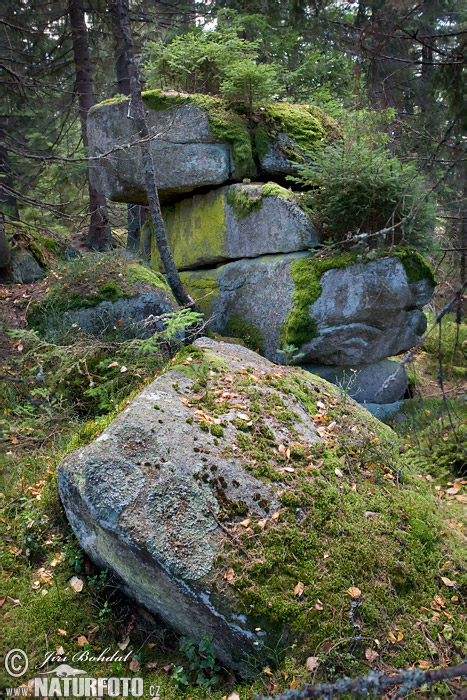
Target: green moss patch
[(299, 328), (245, 199), (239, 328), (307, 126), (415, 265)]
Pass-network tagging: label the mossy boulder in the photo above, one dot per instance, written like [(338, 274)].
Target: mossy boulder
[(342, 310), (101, 293), (237, 221), (243, 500), (198, 141)]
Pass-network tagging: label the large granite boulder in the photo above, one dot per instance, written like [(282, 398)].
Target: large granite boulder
[(98, 294), (185, 153), (242, 500), (382, 382), (237, 221), (335, 311), (198, 141)]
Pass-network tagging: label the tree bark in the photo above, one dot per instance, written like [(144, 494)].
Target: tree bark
[(99, 236), (135, 212), (8, 203), (136, 112)]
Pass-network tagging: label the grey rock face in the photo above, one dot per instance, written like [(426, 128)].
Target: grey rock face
[(276, 161), (184, 152), (24, 268), (126, 314), (258, 291), (365, 312), (205, 229), (365, 383), (144, 499)]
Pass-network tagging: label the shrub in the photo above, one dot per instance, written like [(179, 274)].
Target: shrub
[(248, 82), (355, 186)]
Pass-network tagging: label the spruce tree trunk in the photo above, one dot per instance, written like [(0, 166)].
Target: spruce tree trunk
[(99, 236), (135, 214), (137, 114)]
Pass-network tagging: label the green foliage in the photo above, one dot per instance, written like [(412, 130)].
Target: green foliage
[(355, 186), (247, 83), (88, 375), (291, 354), (198, 61), (202, 668)]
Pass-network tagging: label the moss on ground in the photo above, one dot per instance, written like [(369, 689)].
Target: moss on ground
[(245, 199)]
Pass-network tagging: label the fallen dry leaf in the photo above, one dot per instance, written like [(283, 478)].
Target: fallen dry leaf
[(230, 575), (123, 645), (354, 592), (134, 665), (371, 655), (293, 684), (447, 581), (299, 588), (76, 584), (338, 472), (82, 640), (424, 664), (268, 671), (62, 633), (60, 651), (245, 523), (319, 605), (312, 663), (234, 696)]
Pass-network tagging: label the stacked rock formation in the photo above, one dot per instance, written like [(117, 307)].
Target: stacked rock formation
[(243, 248)]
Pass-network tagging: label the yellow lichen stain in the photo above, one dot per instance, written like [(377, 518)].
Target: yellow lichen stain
[(196, 231)]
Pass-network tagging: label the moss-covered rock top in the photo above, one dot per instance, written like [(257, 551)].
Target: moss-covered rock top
[(91, 279), (306, 126)]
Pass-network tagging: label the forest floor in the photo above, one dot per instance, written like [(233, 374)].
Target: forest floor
[(42, 602)]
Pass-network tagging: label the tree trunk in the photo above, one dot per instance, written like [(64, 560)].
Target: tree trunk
[(135, 213), (99, 235), (137, 113), (8, 203)]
